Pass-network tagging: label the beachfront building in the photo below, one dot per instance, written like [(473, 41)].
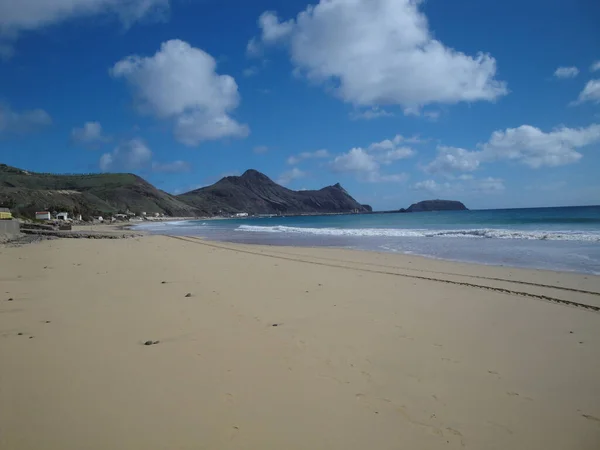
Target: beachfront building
[(241, 215), (43, 215), (62, 216), (5, 214)]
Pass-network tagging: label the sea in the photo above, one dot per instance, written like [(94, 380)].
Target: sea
[(562, 239)]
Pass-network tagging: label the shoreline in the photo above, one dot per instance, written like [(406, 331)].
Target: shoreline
[(308, 348), (136, 228)]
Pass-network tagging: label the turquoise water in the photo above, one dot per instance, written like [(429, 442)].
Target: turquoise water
[(546, 238)]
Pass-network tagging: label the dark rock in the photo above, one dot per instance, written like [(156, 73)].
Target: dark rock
[(30, 337), (188, 295), (10, 299), (255, 193), (149, 343), (276, 324), (437, 205), (47, 321), (163, 282), (20, 334)]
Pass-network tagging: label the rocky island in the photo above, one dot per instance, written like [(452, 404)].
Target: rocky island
[(437, 205)]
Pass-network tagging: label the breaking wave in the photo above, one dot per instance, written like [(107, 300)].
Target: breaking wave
[(488, 233)]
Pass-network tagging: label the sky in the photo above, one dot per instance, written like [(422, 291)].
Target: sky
[(496, 104)]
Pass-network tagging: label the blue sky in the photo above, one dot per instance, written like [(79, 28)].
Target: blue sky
[(496, 104)]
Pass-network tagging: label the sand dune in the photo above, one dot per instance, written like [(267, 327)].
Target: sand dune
[(290, 348)]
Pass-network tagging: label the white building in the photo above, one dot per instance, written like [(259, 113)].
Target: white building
[(43, 215), (241, 215), (62, 216)]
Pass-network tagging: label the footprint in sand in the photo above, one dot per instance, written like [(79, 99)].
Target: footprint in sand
[(592, 418)]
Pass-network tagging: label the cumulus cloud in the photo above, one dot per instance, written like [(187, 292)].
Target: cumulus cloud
[(356, 160), (90, 135), (180, 83), (295, 159), (133, 155), (590, 93), (566, 72), (366, 163), (128, 155), (20, 16), (13, 122), (290, 175), (526, 145), (453, 159), (380, 52), (595, 67)]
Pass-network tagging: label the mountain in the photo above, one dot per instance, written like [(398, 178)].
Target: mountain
[(87, 194), (104, 194), (437, 205), (255, 193)]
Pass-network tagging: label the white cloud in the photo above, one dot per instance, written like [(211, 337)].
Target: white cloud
[(374, 112), (389, 150), (295, 159), (272, 29), (381, 52), (260, 149), (172, 167), (128, 155), (90, 135), (390, 156), (356, 160), (366, 163), (566, 72), (180, 82), (293, 174), (194, 128), (28, 15), (253, 49), (487, 185), (590, 93), (534, 148), (595, 67), (453, 159), (526, 144), (24, 121)]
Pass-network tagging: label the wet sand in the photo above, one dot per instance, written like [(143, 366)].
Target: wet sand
[(290, 348)]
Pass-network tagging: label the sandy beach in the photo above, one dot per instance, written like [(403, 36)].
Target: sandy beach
[(290, 348)]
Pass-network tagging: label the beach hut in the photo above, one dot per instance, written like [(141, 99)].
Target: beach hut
[(43, 215), (62, 216)]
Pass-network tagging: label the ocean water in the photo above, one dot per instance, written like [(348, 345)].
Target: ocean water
[(565, 239)]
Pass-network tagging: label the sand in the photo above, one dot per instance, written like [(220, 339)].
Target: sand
[(369, 351)]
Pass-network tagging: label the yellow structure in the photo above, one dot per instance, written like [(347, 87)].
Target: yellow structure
[(5, 214)]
